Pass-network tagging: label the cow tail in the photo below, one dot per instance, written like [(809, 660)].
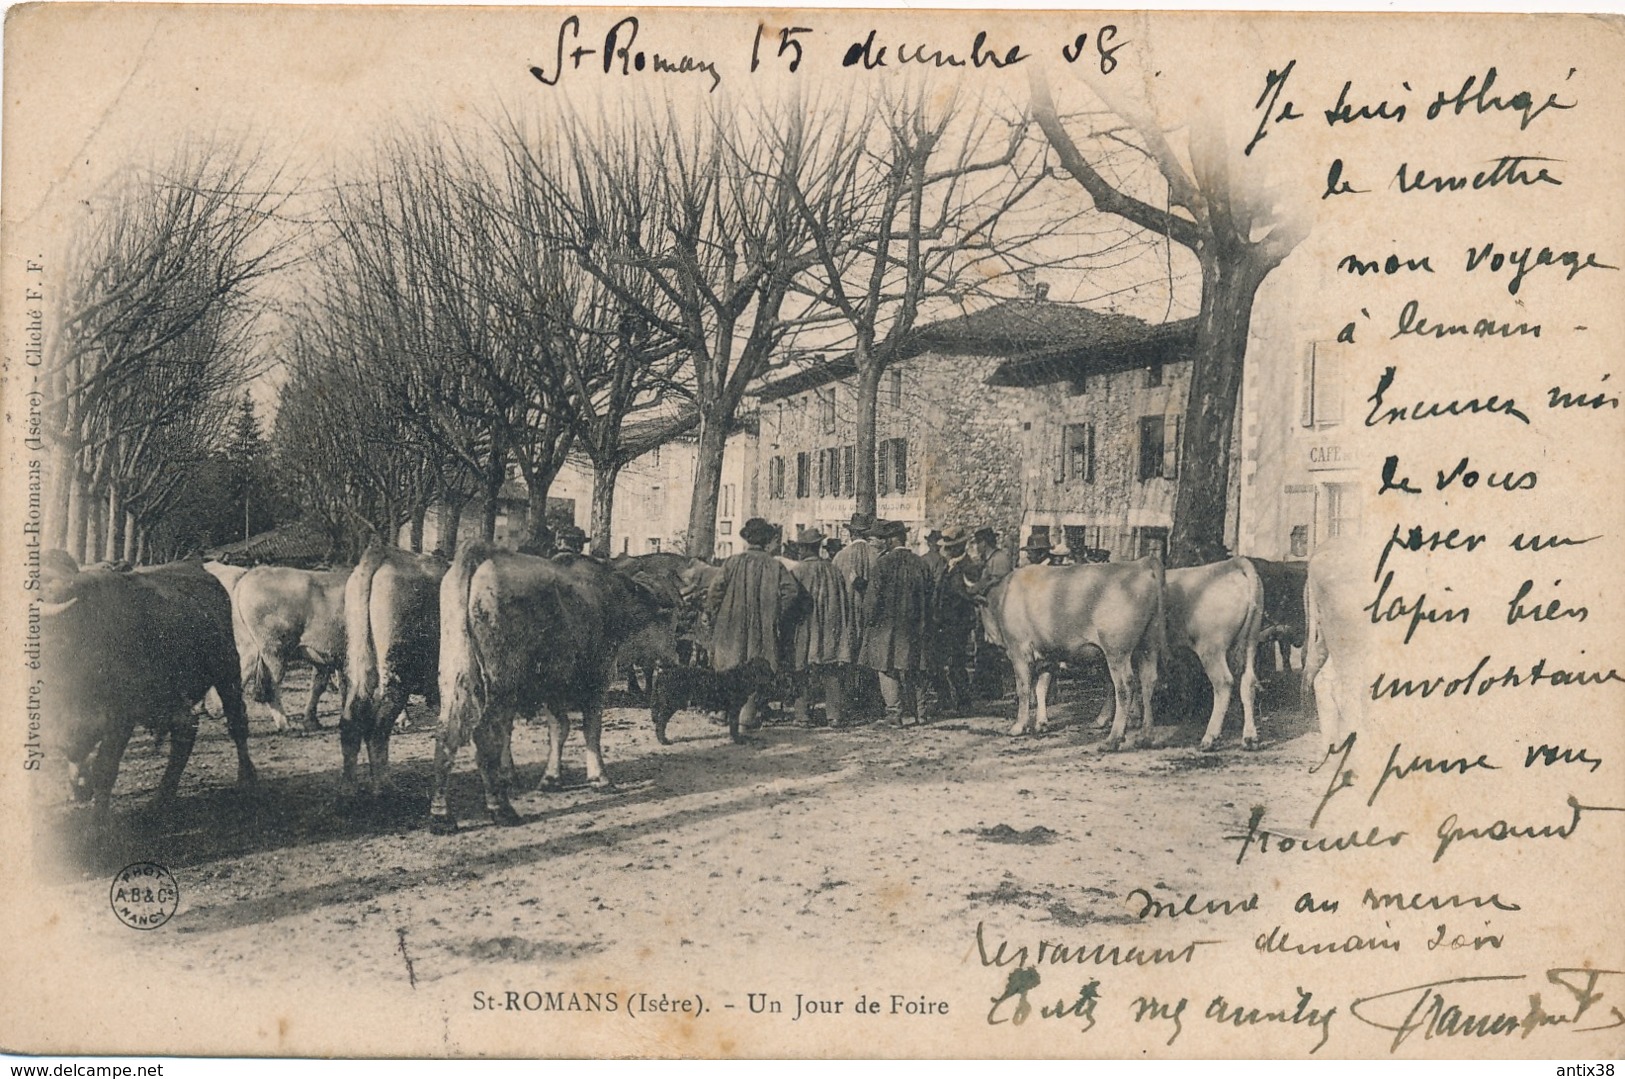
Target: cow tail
[(1254, 624), (462, 678), (361, 655), (257, 680)]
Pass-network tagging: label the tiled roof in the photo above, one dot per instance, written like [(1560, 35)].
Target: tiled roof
[(296, 544), (1044, 342)]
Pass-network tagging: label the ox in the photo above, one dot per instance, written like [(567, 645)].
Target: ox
[(1284, 622), (144, 647), (518, 633), (1335, 653), (284, 614), (1216, 611), (392, 642), (681, 581), (1059, 613)]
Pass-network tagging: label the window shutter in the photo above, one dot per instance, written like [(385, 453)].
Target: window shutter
[(883, 467), (1328, 405), (1170, 467), (849, 470), (900, 465), (1089, 461), (1063, 447), (1308, 399)]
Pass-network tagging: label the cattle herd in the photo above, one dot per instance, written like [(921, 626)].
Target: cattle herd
[(497, 634)]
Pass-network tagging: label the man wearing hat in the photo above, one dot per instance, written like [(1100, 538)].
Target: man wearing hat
[(824, 640), (896, 609), (750, 603), (856, 561), (995, 560), (1037, 550), (934, 562), (571, 544), (953, 621)]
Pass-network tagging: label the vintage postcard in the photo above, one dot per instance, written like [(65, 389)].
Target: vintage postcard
[(655, 532)]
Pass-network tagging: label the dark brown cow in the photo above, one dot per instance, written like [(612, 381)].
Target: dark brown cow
[(123, 649), (1062, 613), (285, 614), (1216, 610), (1285, 624), (392, 641), (519, 633)]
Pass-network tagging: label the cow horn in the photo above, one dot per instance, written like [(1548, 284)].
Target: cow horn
[(50, 610)]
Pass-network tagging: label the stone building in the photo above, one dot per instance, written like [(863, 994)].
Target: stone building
[(1025, 416)]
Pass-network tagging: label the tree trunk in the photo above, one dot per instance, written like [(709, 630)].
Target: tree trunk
[(869, 373), (702, 507), (143, 545), (603, 506), (416, 539), (129, 538), (493, 500), (60, 464), (451, 523), (113, 547), (78, 515), (1202, 492), (95, 524)]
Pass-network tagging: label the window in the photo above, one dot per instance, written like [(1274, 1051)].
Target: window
[(1159, 453), (803, 474), (1322, 388), (724, 550), (1077, 460), (823, 473), (897, 389), (654, 544), (1074, 541), (626, 544), (725, 528), (1079, 386), (1151, 447), (775, 478), (727, 500), (893, 454), (849, 470), (826, 406), (1153, 375), (829, 469), (1342, 510), (1149, 541)]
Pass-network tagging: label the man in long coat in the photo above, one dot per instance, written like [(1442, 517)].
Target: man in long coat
[(896, 609), (953, 620), (751, 603), (856, 561), (824, 643)]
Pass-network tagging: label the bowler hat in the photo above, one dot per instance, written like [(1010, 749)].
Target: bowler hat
[(953, 536), (1037, 542), (757, 532), (889, 530), (987, 536), (809, 537), (861, 524)]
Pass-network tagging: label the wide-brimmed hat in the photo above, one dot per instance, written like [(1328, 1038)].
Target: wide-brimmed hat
[(933, 536), (809, 537), (861, 524), (889, 530), (987, 536), (758, 532), (954, 536), (1037, 542)]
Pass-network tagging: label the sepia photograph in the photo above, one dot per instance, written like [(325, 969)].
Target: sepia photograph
[(739, 533)]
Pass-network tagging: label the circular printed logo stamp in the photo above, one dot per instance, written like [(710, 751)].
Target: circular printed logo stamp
[(144, 895)]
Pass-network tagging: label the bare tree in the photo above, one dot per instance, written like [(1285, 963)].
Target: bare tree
[(1237, 234), (690, 227), (158, 330), (922, 206)]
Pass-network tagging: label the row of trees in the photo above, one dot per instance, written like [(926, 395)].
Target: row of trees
[(477, 306)]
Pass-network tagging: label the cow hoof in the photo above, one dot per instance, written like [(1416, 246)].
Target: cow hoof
[(1249, 744), (505, 815), (603, 783), (1209, 745), (1112, 745), (549, 783), (312, 727), (442, 824)]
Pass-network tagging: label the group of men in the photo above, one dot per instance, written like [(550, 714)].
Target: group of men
[(781, 606)]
